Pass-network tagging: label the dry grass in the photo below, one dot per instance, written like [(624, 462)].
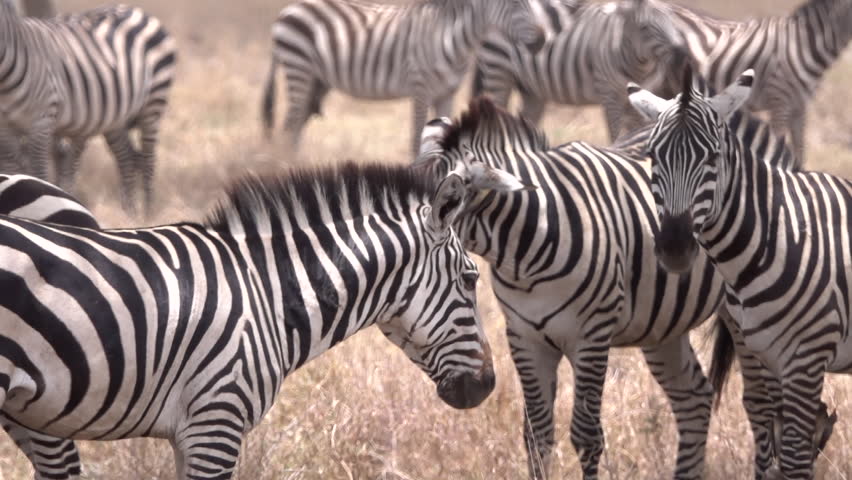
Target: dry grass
[(361, 411)]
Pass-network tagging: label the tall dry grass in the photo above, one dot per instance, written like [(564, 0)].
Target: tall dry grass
[(362, 411)]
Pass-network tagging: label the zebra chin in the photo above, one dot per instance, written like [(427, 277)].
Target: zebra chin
[(674, 244), (467, 389)]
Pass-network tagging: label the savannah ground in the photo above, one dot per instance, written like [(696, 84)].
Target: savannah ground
[(363, 411)]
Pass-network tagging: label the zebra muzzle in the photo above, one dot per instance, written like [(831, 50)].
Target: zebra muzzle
[(467, 390)]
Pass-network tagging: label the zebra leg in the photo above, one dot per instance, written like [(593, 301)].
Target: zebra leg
[(52, 458), (533, 108), (761, 393), (590, 364), (208, 446), (125, 155), (800, 404), (443, 107), (676, 368), (797, 135), (419, 111), (39, 147), (67, 161), (304, 98), (536, 363), (613, 111), (146, 160), (10, 149)]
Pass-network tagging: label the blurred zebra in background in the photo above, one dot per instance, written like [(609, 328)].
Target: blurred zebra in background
[(29, 197), (63, 80), (420, 50), (573, 267), (789, 54), (596, 50), (779, 238), (187, 331)]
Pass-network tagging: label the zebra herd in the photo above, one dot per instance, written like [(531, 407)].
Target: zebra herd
[(697, 208)]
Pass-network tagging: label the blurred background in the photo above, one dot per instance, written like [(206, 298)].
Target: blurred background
[(363, 411)]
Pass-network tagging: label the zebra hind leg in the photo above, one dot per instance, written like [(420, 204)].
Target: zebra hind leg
[(676, 368), (52, 458), (126, 156), (146, 159), (536, 364), (305, 94)]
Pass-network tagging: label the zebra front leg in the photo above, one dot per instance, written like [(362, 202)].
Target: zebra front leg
[(125, 155), (52, 458), (797, 135), (533, 108), (10, 150), (800, 404), (676, 368), (420, 109), (536, 364), (614, 112), (67, 161), (39, 147), (208, 446), (590, 365)]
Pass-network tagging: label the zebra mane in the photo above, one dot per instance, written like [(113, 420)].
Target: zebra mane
[(484, 118), (349, 189), (686, 92)]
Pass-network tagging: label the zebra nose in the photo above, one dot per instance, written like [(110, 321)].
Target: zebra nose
[(467, 390), (537, 41)]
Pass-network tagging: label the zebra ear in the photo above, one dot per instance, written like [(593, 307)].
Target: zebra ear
[(430, 138), (485, 177), (447, 202), (733, 97), (645, 102)]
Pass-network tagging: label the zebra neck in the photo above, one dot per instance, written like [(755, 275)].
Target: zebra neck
[(732, 216), (825, 28), (323, 289)]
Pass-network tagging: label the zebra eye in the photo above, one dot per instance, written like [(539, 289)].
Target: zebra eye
[(469, 280)]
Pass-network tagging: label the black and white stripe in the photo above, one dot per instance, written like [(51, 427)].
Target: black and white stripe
[(574, 269), (64, 80), (596, 50), (789, 54), (780, 239), (29, 197), (420, 50), (187, 331)]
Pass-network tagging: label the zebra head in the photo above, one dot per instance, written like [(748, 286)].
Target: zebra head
[(650, 31), (438, 325), (523, 21), (686, 144)]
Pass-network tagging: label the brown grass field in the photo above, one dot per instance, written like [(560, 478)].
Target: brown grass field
[(363, 411)]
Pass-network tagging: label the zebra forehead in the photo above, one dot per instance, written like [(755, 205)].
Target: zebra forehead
[(484, 118)]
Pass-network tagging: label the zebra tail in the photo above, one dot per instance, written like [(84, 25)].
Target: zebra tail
[(722, 360), (269, 100)]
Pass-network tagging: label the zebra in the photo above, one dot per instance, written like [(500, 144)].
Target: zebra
[(597, 49), (64, 80), (587, 230), (789, 54), (420, 50), (192, 328), (779, 238), (29, 197)]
